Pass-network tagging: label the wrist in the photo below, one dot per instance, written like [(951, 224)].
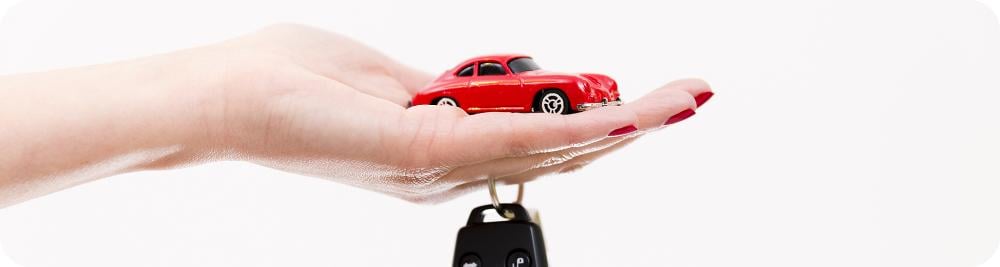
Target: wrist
[(88, 122), (164, 103), (188, 104), (66, 127)]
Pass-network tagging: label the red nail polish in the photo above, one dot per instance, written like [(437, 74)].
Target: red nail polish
[(679, 117), (703, 97), (623, 130)]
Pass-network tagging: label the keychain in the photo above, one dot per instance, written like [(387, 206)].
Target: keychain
[(515, 242)]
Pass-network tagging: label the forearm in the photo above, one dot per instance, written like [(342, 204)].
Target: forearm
[(66, 127)]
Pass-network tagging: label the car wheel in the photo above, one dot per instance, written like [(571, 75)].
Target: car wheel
[(446, 101), (553, 102)]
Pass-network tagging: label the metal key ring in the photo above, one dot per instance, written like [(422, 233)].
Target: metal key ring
[(496, 200)]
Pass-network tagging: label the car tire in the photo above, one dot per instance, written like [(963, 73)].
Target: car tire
[(446, 101), (552, 101)]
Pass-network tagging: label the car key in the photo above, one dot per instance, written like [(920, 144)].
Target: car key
[(516, 242)]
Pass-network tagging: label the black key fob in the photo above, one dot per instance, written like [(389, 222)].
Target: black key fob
[(516, 242)]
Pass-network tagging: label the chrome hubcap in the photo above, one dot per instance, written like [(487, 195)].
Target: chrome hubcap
[(447, 102), (553, 103)]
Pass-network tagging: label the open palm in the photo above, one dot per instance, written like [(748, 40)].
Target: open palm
[(312, 102)]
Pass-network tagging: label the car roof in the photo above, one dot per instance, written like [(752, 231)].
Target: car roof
[(497, 57)]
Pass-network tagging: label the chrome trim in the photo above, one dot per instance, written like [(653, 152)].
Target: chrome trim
[(605, 103), (478, 109)]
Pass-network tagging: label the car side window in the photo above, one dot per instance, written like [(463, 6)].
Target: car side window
[(465, 72), (491, 68)]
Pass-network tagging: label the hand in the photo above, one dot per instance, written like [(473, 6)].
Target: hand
[(331, 107), (312, 102)]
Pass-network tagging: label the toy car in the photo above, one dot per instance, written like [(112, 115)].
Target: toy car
[(514, 83)]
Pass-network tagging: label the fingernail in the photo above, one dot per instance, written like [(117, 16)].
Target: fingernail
[(679, 117), (703, 97), (623, 130)]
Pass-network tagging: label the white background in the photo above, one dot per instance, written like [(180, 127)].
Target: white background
[(843, 133)]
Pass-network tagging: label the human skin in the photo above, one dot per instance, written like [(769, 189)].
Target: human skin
[(301, 100)]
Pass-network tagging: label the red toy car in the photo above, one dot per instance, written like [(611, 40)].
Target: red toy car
[(514, 83)]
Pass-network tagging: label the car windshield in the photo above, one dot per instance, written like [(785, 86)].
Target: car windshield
[(522, 64)]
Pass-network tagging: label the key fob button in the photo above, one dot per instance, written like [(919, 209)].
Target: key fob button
[(518, 259), (470, 260), (515, 242)]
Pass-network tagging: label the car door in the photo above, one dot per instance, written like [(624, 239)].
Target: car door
[(458, 84), (495, 88)]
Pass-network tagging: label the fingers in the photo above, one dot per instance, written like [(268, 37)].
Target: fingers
[(698, 89), (656, 108), (652, 110), (445, 135), (456, 176), (670, 104), (514, 165), (527, 146)]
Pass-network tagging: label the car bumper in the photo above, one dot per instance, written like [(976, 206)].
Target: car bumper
[(605, 103)]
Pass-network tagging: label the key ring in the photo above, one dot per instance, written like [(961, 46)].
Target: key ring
[(496, 200)]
